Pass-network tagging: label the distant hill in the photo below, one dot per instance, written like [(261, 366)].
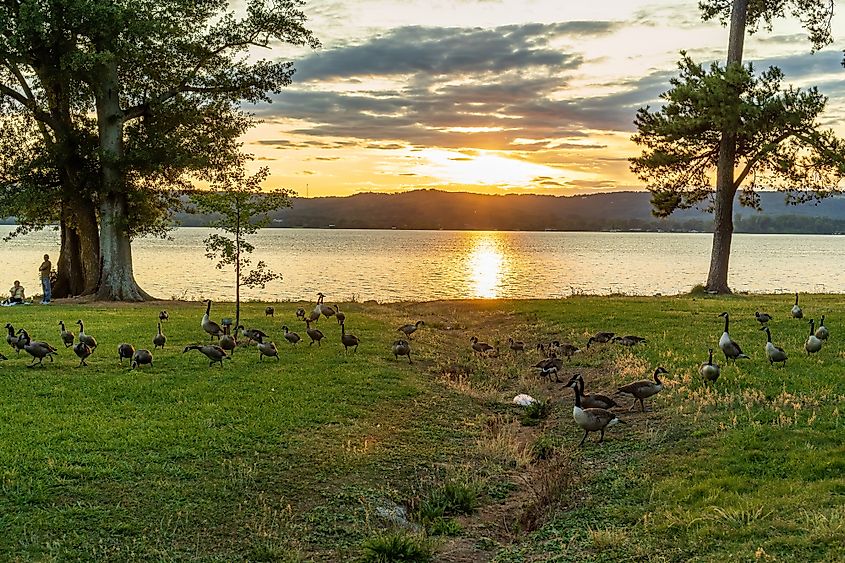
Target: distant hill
[(432, 210)]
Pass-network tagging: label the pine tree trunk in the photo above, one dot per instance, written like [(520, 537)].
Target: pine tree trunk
[(117, 280), (717, 278)]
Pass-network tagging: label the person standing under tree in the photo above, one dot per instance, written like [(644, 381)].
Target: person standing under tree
[(44, 270)]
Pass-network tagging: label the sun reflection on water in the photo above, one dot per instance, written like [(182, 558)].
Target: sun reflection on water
[(486, 264)]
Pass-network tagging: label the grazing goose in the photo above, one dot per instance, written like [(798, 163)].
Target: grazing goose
[(327, 311), (266, 349), (348, 340), (402, 348), (565, 349), (822, 333), (762, 318), (814, 343), (159, 339), (590, 419), (210, 327), (629, 340), (774, 353), (410, 329), (549, 366), (227, 341), (601, 337), (315, 334), (163, 316), (252, 333), (291, 337), (142, 357), (82, 351), (125, 351), (516, 345), (708, 370), (730, 348), (215, 354), (300, 313), (67, 336), (644, 388), (797, 313), (86, 338), (480, 347), (269, 312), (38, 350), (13, 339), (593, 400)]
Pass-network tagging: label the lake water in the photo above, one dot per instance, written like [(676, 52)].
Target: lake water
[(426, 265)]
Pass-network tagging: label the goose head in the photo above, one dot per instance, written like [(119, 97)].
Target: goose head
[(724, 314), (474, 339)]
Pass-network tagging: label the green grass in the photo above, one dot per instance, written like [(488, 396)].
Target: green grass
[(289, 460)]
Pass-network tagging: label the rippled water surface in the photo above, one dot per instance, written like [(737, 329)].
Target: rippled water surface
[(424, 265)]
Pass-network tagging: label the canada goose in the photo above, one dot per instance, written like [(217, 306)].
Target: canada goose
[(159, 339), (67, 336), (327, 311), (291, 337), (708, 370), (313, 316), (269, 312), (628, 340), (549, 366), (775, 353), (315, 334), (142, 357), (215, 354), (797, 313), (227, 341), (402, 348), (125, 351), (479, 347), (210, 327), (762, 318), (644, 388), (38, 350), (591, 419), (516, 345), (320, 297), (252, 333), (593, 400), (266, 349), (565, 349), (163, 316), (814, 343), (822, 332), (730, 348), (82, 351), (410, 329), (86, 338), (300, 313), (13, 339), (601, 337), (341, 317), (348, 340)]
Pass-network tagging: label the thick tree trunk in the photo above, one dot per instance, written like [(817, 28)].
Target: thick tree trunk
[(117, 280), (78, 266), (723, 228)]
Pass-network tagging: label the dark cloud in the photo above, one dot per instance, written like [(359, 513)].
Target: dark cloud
[(439, 51)]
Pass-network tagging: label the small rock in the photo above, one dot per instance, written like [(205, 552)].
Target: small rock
[(524, 400)]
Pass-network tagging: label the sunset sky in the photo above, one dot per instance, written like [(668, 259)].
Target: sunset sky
[(496, 95)]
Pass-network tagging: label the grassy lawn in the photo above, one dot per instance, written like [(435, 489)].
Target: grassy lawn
[(307, 458)]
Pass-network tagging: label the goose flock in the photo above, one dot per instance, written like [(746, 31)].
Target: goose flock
[(592, 412)]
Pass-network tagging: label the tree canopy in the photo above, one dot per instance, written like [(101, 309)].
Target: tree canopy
[(780, 142)]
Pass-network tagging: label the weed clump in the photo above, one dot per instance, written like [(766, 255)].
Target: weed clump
[(536, 412), (397, 547)]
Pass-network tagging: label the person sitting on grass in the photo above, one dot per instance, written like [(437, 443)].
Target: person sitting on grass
[(16, 294)]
